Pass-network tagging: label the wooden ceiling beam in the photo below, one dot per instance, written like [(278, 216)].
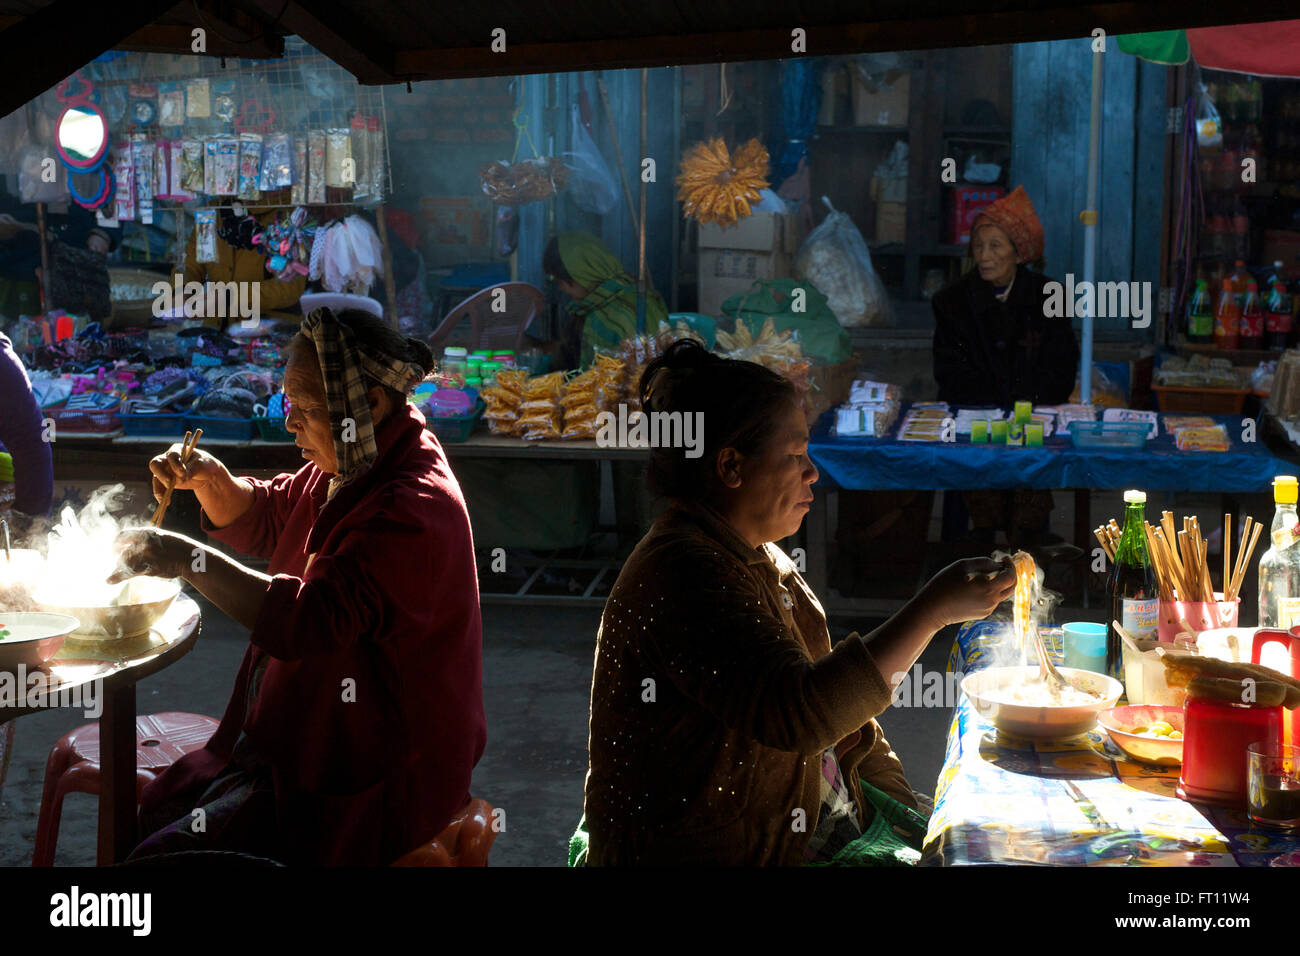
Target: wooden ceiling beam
[(940, 31), (335, 31), (41, 49)]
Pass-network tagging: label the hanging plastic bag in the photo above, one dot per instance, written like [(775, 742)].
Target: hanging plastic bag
[(1209, 129), (836, 260), (35, 166), (592, 186)]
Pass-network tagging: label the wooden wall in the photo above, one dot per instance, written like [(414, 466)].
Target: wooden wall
[(1052, 95)]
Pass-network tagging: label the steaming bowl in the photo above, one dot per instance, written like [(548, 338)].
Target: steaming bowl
[(119, 621), (34, 637), (1040, 721)]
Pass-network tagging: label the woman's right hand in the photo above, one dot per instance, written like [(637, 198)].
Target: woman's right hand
[(968, 590), (201, 470)]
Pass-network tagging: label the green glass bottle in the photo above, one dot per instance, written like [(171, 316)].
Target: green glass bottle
[(1134, 601)]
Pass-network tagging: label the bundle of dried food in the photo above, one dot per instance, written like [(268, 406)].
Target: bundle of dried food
[(589, 393), (540, 412), (503, 400), (718, 186), (524, 181)]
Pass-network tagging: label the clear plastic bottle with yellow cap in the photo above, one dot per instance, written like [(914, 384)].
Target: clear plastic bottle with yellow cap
[(1279, 568)]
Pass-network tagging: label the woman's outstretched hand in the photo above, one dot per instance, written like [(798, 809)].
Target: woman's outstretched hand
[(967, 590), (158, 554)]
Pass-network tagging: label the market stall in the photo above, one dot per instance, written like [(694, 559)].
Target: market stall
[(1080, 801)]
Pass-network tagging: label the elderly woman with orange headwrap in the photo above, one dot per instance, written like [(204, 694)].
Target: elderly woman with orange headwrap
[(993, 344)]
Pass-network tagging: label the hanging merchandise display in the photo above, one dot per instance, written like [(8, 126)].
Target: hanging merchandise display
[(205, 235), (719, 186), (288, 243), (250, 165), (347, 256), (520, 182)]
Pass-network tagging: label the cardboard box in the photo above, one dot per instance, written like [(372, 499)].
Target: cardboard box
[(891, 221), (885, 106), (726, 272), (759, 231)]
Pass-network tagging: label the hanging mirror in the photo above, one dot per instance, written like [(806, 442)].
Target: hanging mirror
[(81, 137)]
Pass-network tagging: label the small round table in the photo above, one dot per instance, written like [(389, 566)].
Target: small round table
[(93, 674)]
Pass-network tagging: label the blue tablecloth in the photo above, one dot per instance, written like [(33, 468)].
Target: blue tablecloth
[(877, 464)]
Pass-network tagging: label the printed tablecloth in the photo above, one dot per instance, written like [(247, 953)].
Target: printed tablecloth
[(1076, 802)]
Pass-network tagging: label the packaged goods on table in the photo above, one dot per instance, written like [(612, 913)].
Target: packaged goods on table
[(1176, 423), (924, 422), (598, 389), (1134, 416), (866, 419), (1213, 438), (539, 410), (503, 400), (1198, 372)]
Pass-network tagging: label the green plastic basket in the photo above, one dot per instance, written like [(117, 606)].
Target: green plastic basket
[(272, 429)]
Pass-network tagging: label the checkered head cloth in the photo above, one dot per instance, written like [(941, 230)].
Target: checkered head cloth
[(345, 367)]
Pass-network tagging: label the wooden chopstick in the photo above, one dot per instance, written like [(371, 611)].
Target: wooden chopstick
[(187, 449), (1250, 550), (1227, 552)]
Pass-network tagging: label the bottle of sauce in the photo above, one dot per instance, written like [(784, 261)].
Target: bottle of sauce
[(1134, 601), (1227, 321), (1251, 334), (1279, 568), (1200, 316), (1277, 320)]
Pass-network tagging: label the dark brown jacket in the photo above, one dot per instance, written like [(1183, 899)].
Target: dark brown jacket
[(712, 701)]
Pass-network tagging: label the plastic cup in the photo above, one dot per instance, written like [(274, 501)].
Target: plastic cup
[(1085, 646), (1273, 784)]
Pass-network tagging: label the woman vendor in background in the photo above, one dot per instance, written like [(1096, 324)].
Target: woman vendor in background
[(603, 296), (357, 715), (994, 346), (242, 263), (753, 716)]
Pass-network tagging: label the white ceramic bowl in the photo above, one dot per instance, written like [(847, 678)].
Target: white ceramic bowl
[(1039, 720), (33, 637)]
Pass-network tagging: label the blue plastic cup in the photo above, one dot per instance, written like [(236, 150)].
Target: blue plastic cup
[(1085, 646)]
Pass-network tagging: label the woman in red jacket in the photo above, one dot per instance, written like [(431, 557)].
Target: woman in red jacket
[(357, 715)]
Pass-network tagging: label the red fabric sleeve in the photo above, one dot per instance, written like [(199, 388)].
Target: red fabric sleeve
[(257, 530), (348, 593)]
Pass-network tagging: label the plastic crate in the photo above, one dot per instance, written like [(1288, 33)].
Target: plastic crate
[(160, 425), (457, 428), (85, 420), (226, 429), (1209, 401), (1109, 434), (272, 429)]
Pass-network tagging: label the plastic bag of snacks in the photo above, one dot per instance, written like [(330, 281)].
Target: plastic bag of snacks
[(524, 181), (503, 401)]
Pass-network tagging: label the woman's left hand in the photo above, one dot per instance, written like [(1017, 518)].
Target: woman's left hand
[(159, 554)]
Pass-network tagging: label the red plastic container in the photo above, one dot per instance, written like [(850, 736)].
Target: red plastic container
[(1214, 748), (966, 203)]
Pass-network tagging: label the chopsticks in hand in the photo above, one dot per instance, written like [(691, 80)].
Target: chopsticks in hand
[(187, 449)]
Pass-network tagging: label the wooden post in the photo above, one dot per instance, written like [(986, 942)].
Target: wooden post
[(390, 283)]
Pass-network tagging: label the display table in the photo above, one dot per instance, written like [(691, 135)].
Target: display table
[(882, 464), (1073, 802), (110, 670)]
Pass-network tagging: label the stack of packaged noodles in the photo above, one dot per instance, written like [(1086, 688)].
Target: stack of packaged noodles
[(503, 400), (586, 395), (540, 412)]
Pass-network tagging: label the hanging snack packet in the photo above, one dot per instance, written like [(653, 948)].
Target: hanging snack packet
[(377, 165), (298, 193), (142, 160), (277, 162), (124, 172), (360, 137), (223, 98), (250, 165), (171, 104), (316, 166), (197, 103), (192, 165), (205, 235), (225, 177), (339, 172)]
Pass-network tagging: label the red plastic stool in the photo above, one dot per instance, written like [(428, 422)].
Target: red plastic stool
[(73, 765), (465, 842)]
